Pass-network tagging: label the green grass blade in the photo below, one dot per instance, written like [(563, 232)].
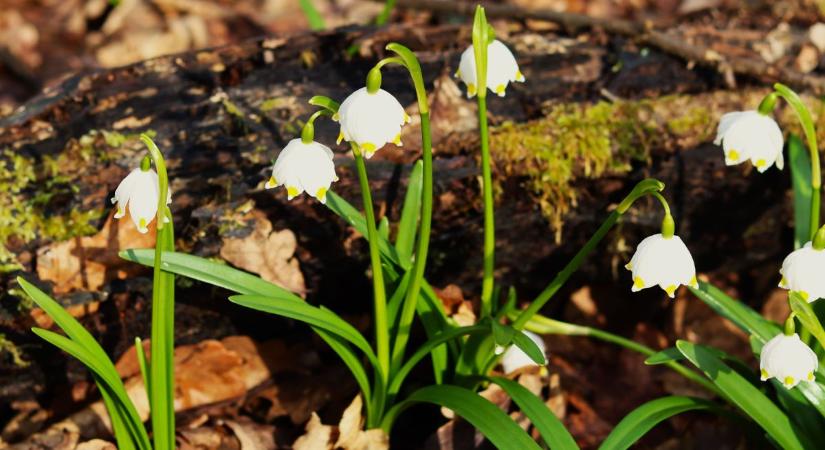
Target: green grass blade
[(384, 228), (316, 22), (144, 369), (544, 420), (737, 312), (805, 313), (351, 360), (642, 419), (746, 397), (529, 348), (354, 217), (410, 213), (491, 421), (122, 435), (110, 381), (208, 271), (800, 162), (311, 315)]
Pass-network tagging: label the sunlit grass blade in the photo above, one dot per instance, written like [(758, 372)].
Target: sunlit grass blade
[(208, 271), (109, 381), (410, 212), (737, 312), (384, 228), (642, 419), (491, 421), (529, 347), (354, 217), (122, 435), (144, 368), (745, 396), (316, 22), (311, 315), (800, 162), (553, 432)]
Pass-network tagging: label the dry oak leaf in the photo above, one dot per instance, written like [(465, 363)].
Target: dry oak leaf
[(267, 253), (350, 432), (89, 262)]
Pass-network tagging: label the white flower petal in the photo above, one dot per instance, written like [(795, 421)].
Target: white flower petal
[(304, 167), (371, 120), (803, 271), (663, 262), (787, 359), (514, 358), (751, 136), (143, 201), (502, 69)]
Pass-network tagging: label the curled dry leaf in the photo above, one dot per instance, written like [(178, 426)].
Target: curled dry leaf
[(267, 253), (96, 444), (350, 433), (253, 436), (89, 262), (317, 436)]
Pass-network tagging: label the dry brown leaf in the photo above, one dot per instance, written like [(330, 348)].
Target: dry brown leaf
[(351, 433), (267, 253), (96, 444), (317, 437), (253, 436), (89, 262)]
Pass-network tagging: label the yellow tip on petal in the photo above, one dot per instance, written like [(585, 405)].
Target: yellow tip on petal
[(500, 90), (407, 118), (783, 283), (543, 371), (340, 137), (638, 283), (291, 191), (471, 89), (764, 374), (805, 296), (336, 117), (397, 140), (271, 183), (733, 156), (120, 212), (671, 290), (761, 164), (694, 283), (368, 148), (789, 381), (811, 376), (321, 195), (457, 73), (628, 266), (142, 225), (519, 75)]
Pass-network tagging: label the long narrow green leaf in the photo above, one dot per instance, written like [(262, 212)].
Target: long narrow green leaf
[(122, 435), (354, 217), (800, 162), (529, 347), (124, 408), (544, 420), (144, 369), (301, 311), (748, 398), (807, 316), (642, 419), (492, 422), (212, 272), (79, 336), (737, 312), (353, 363), (410, 213), (316, 22)]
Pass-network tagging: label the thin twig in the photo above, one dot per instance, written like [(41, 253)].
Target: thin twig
[(640, 32)]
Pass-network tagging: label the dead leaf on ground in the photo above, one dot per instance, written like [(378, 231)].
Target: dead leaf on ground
[(89, 262), (270, 254), (348, 435), (96, 444), (253, 436)]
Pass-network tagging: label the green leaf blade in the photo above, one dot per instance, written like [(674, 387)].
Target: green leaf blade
[(642, 419)]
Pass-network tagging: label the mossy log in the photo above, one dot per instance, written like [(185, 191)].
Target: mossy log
[(221, 115)]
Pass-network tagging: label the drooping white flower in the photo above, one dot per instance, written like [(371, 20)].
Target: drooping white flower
[(303, 167), (788, 359), (803, 271), (502, 69), (514, 358), (661, 261), (139, 191), (371, 120), (750, 135)]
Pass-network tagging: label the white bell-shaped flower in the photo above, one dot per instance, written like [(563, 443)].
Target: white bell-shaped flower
[(788, 359), (304, 167), (803, 271), (502, 69), (514, 358), (139, 191), (371, 120), (750, 135), (662, 261)]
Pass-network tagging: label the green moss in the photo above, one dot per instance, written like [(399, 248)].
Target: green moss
[(27, 208), (579, 141), (7, 346)]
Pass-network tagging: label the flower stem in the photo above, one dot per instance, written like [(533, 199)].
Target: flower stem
[(545, 325), (487, 283), (407, 59), (644, 187), (804, 116), (790, 326), (162, 344), (385, 13), (382, 332)]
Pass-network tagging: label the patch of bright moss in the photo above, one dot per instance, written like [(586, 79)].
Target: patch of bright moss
[(578, 140), (7, 346)]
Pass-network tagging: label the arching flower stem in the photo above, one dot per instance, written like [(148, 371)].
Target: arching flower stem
[(668, 225), (790, 325), (805, 119), (308, 131)]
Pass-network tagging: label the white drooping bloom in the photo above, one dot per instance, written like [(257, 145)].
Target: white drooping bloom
[(303, 167), (514, 358), (661, 261), (787, 359), (750, 135), (140, 191), (803, 271), (371, 120), (502, 69)]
